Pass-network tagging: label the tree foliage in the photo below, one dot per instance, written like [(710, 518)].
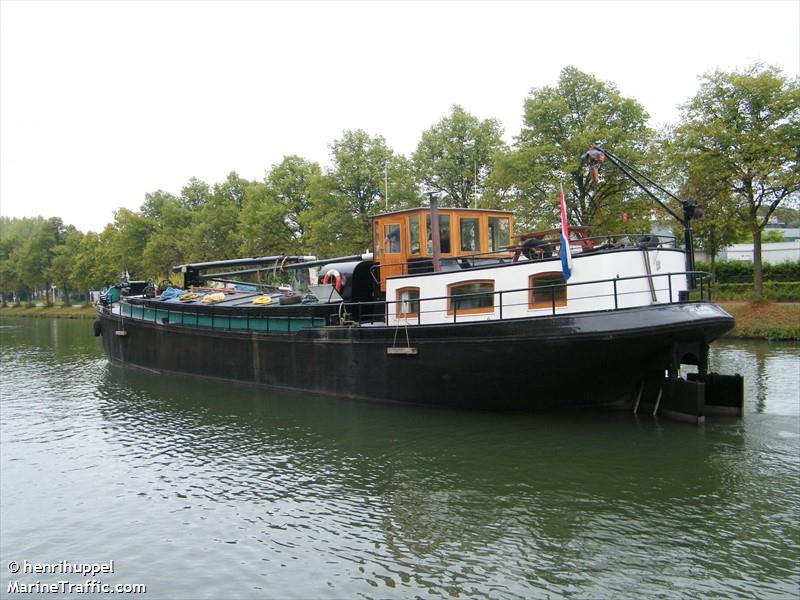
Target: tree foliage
[(720, 226), (266, 226), (560, 123), (358, 185), (15, 235), (742, 130), (359, 162), (455, 156), (289, 184)]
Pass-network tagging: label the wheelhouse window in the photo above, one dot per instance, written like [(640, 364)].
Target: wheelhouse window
[(547, 290), (376, 238), (470, 235), (408, 302), (413, 230), (444, 233), (499, 233), (391, 238), (470, 297)]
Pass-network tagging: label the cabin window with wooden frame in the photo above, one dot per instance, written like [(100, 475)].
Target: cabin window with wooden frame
[(470, 297), (547, 290), (413, 232), (444, 234), (391, 238), (376, 238), (408, 302), (470, 234), (499, 233)]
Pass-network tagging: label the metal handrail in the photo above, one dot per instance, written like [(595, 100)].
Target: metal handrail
[(381, 312), (702, 277)]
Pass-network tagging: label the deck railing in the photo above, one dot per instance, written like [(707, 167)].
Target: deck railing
[(661, 283), (348, 313)]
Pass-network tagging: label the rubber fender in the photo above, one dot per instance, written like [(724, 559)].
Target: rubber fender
[(290, 299), (98, 327)]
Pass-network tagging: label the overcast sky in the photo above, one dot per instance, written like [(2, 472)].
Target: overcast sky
[(101, 102)]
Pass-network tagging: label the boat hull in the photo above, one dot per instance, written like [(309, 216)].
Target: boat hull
[(562, 361)]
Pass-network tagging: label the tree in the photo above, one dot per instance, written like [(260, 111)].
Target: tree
[(63, 263), (333, 230), (357, 178), (743, 129), (168, 244), (720, 227), (289, 184), (401, 184), (231, 191), (265, 226), (153, 206), (133, 232), (14, 236), (195, 194), (560, 123), (9, 282), (92, 268), (455, 156), (214, 230), (213, 234), (108, 254), (35, 256)]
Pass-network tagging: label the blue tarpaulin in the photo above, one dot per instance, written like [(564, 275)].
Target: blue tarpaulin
[(171, 292)]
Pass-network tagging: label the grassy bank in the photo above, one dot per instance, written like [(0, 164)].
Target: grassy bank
[(765, 320), (760, 320), (66, 312)]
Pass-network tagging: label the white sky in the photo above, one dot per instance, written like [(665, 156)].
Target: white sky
[(103, 102)]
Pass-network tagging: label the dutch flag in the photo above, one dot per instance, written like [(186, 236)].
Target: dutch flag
[(566, 254)]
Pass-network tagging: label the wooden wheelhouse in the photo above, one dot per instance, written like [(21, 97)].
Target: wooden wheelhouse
[(403, 241)]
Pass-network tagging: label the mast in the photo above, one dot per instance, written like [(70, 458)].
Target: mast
[(435, 240)]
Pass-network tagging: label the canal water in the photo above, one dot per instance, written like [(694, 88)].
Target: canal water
[(208, 490)]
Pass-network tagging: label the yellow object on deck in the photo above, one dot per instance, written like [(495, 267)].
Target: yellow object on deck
[(262, 300), (212, 298), (189, 296)]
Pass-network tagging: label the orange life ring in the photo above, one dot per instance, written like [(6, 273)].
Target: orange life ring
[(334, 275)]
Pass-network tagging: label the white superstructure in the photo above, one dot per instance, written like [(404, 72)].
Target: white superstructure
[(600, 280)]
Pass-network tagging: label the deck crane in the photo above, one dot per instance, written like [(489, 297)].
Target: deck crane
[(596, 156)]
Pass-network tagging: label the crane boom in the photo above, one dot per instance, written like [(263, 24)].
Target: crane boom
[(691, 209)]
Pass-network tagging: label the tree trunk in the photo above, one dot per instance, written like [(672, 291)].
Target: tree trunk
[(758, 276), (713, 267)]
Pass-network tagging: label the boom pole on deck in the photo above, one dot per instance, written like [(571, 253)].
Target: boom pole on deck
[(691, 209), (193, 273)]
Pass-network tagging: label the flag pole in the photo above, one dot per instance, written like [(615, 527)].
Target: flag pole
[(566, 253)]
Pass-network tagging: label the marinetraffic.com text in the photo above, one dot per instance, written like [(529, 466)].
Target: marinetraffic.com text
[(65, 585)]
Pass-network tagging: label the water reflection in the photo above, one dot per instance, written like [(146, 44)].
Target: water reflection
[(771, 373), (49, 339), (301, 496)]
